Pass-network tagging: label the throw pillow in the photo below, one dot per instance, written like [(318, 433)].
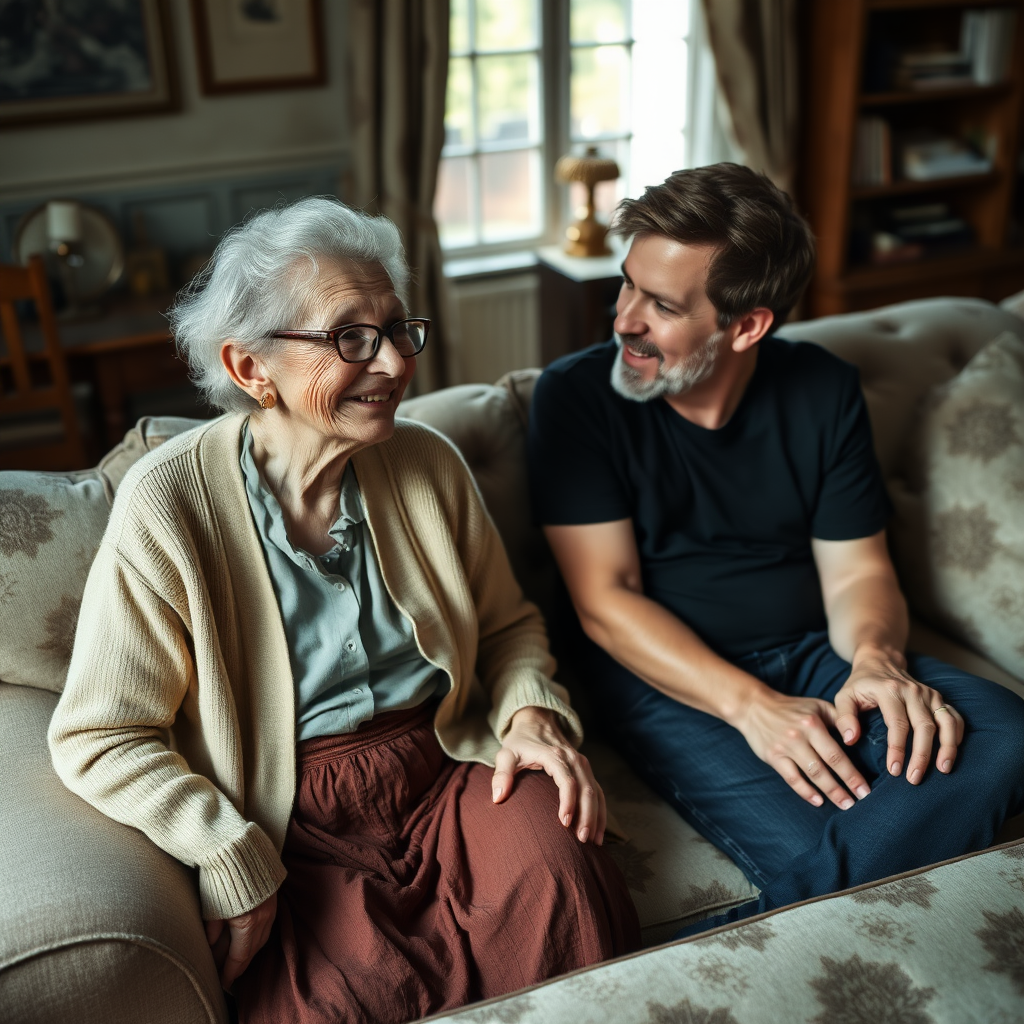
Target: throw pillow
[(50, 528), (958, 533)]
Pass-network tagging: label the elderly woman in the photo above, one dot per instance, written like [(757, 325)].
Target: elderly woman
[(300, 647)]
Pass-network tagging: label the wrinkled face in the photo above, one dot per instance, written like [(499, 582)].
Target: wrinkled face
[(666, 326), (344, 401)]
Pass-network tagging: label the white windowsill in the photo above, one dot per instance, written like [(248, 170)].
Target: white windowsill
[(498, 263)]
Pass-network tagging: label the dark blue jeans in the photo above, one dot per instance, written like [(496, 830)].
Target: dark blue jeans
[(788, 848)]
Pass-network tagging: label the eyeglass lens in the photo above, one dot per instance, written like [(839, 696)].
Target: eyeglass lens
[(357, 343)]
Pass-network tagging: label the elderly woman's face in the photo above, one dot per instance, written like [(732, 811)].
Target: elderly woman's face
[(354, 401)]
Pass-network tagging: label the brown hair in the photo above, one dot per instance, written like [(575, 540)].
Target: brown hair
[(765, 248)]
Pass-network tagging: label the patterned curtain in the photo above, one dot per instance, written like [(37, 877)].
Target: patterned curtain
[(755, 48), (398, 74)]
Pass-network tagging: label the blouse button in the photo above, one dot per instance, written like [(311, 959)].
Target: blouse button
[(351, 645)]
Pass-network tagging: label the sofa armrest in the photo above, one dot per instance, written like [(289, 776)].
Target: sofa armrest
[(98, 924)]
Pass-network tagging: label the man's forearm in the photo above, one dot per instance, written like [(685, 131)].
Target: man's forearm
[(868, 618), (663, 651)]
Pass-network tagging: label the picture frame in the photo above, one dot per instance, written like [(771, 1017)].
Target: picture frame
[(253, 45), (66, 61)]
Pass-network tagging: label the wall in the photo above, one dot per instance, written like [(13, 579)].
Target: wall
[(195, 172)]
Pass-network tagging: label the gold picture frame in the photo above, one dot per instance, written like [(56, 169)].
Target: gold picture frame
[(252, 45), (67, 64)]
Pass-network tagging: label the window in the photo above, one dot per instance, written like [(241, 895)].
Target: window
[(529, 81)]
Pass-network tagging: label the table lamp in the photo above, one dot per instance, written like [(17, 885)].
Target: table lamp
[(64, 231), (81, 247), (585, 236)]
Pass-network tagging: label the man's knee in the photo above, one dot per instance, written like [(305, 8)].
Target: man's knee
[(992, 752)]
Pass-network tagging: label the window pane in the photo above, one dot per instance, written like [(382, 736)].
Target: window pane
[(458, 108), (659, 85), (599, 91), (505, 24), (660, 19), (453, 202), (510, 195), (458, 27), (659, 111), (598, 21), (508, 98)]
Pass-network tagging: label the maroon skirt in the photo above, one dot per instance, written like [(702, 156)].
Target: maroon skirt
[(410, 892)]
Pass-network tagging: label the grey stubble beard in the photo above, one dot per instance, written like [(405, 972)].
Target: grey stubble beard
[(696, 368)]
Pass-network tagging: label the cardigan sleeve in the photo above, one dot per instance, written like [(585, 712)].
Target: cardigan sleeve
[(131, 670), (514, 663)]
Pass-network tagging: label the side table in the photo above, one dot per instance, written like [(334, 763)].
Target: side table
[(577, 300), (126, 350)]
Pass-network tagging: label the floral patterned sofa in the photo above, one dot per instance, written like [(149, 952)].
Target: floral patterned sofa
[(100, 925)]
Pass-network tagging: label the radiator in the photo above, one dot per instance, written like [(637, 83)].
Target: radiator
[(499, 325)]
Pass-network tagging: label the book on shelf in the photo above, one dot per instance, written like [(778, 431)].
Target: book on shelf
[(925, 70), (986, 41), (984, 56), (906, 233), (932, 158), (872, 153)]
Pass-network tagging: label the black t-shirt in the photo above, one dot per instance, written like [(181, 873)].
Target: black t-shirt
[(723, 518)]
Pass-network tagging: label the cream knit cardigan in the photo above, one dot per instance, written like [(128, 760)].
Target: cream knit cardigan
[(178, 716)]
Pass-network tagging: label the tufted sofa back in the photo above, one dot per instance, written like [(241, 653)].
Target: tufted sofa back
[(902, 351)]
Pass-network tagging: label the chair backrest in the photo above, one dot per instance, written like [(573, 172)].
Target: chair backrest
[(39, 425)]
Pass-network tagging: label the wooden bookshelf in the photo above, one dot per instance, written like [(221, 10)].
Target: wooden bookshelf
[(837, 43), (887, 99)]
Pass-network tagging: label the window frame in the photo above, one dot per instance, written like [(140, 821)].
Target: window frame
[(555, 67)]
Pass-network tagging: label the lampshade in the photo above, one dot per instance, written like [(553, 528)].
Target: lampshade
[(589, 168)]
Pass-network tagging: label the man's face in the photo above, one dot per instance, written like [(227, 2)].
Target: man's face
[(666, 326)]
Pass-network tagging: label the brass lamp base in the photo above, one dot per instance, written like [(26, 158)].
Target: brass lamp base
[(586, 237)]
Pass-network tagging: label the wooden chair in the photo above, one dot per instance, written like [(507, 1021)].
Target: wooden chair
[(39, 424)]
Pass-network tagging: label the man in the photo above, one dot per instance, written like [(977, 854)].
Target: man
[(713, 500)]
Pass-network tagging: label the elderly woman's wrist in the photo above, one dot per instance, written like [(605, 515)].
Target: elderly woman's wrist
[(533, 715)]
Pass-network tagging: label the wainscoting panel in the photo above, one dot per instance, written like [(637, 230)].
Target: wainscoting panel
[(179, 224), (499, 325), (184, 218)]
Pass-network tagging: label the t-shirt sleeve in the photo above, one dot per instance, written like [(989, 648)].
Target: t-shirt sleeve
[(852, 502), (573, 479)]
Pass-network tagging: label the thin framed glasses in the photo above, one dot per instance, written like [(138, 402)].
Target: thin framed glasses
[(359, 343)]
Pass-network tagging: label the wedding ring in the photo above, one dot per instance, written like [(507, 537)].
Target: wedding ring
[(942, 707)]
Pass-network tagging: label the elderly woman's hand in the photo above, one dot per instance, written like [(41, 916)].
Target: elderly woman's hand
[(236, 941), (535, 741)]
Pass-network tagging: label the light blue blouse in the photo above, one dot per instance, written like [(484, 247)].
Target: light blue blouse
[(353, 653)]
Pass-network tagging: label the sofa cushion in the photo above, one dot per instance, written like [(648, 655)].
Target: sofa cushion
[(674, 874), (958, 532), (943, 944), (50, 528)]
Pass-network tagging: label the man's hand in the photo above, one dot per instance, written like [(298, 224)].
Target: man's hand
[(237, 940), (792, 735), (879, 680), (535, 741)]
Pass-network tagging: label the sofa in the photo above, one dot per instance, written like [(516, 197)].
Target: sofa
[(98, 924)]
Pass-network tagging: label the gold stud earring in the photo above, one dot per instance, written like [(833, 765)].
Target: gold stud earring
[(268, 401)]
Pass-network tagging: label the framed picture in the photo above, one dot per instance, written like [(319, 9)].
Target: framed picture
[(245, 45), (64, 60)]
